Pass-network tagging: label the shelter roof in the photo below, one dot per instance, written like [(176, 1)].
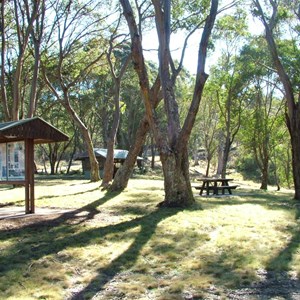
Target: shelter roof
[(119, 154), (34, 128)]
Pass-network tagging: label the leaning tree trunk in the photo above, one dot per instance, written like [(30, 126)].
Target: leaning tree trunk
[(87, 139), (123, 174), (108, 172)]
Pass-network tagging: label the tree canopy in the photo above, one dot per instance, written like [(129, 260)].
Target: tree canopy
[(84, 66)]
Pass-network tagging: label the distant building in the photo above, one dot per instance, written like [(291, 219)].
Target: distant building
[(119, 158)]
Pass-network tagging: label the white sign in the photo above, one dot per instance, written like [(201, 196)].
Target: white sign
[(12, 161)]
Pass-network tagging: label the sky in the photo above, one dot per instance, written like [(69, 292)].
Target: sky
[(150, 43)]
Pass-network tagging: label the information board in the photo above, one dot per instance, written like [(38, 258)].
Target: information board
[(12, 161)]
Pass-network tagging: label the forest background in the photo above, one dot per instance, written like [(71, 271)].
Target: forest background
[(69, 62)]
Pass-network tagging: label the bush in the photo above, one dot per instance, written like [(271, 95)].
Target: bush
[(249, 169)]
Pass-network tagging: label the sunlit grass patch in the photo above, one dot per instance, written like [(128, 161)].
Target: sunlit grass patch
[(122, 245)]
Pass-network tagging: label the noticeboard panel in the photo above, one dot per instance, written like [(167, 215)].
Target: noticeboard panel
[(12, 161)]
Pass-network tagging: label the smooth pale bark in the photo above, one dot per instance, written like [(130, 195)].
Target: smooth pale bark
[(225, 156), (87, 139), (173, 155), (23, 38), (3, 75), (108, 172), (293, 111), (36, 36), (172, 143), (122, 176), (81, 127)]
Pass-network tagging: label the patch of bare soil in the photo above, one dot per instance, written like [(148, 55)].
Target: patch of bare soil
[(15, 218)]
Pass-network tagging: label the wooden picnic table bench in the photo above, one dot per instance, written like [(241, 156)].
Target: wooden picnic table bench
[(215, 185)]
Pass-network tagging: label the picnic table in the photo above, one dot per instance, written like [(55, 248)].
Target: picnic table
[(215, 185)]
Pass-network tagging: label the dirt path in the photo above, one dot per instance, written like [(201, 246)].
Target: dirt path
[(12, 217)]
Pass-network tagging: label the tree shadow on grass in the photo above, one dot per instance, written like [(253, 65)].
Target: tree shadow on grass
[(277, 270), (276, 278), (48, 237), (127, 259), (81, 214), (275, 281)]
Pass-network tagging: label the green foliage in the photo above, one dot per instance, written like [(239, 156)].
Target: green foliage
[(232, 26), (248, 167), (289, 52), (187, 14)]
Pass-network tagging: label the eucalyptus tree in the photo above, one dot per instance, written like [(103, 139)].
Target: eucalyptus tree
[(265, 106), (208, 129), (229, 82), (123, 174), (229, 88), (131, 109), (282, 157), (118, 60), (22, 25), (77, 50), (171, 140), (273, 18), (53, 154)]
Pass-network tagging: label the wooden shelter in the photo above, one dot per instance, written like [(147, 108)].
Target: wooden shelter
[(17, 140), (100, 153)]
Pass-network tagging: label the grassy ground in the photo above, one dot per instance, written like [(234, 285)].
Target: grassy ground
[(121, 246)]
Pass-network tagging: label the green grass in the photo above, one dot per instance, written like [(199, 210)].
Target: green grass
[(121, 245)]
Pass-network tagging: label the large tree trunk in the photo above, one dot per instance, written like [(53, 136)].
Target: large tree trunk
[(171, 142), (178, 191)]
